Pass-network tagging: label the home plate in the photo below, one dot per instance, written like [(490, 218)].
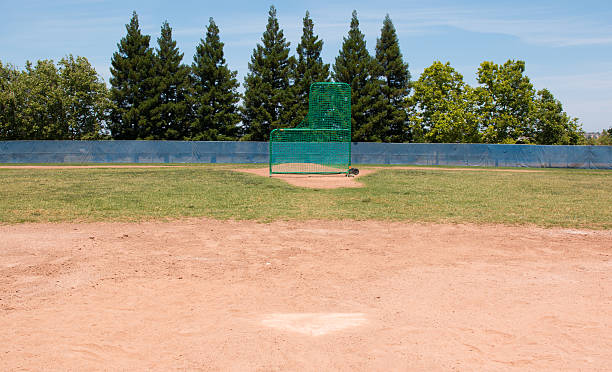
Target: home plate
[(314, 324)]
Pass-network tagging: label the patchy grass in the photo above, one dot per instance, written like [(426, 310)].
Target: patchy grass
[(567, 198)]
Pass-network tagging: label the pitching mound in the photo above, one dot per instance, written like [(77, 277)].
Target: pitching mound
[(315, 181)]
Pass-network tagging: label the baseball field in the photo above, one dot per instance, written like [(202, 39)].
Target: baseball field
[(221, 267)]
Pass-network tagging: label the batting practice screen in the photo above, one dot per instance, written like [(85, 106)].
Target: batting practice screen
[(321, 143)]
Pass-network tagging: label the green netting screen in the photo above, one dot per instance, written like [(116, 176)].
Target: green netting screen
[(321, 143)]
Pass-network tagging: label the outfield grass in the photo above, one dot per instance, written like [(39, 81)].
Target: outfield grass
[(567, 198)]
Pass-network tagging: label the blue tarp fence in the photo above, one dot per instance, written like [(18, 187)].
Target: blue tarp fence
[(593, 157)]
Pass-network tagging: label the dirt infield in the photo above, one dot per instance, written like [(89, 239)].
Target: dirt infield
[(319, 295)]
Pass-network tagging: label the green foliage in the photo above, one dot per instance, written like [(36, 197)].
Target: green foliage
[(443, 108), (154, 96), (309, 69), (354, 66), (215, 92), (267, 98), (86, 99), (13, 96), (133, 93), (42, 115), (552, 126), (170, 114), (395, 84), (604, 139), (507, 97), (45, 102)]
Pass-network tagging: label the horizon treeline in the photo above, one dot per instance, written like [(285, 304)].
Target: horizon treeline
[(155, 95)]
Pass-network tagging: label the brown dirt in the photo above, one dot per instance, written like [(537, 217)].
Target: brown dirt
[(315, 181), (319, 295)]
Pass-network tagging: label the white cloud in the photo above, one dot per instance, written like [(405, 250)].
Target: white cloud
[(541, 26)]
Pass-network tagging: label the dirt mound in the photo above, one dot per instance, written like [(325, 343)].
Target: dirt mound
[(315, 181)]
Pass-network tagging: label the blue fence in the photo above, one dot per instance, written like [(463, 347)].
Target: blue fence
[(595, 157)]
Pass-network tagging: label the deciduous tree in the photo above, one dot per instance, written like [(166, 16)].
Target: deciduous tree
[(42, 115), (86, 98), (443, 108), (507, 96), (45, 102), (11, 99), (552, 126)]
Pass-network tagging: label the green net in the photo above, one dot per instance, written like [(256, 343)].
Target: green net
[(322, 142)]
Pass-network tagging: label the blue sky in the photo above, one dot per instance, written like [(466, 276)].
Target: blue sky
[(567, 46)]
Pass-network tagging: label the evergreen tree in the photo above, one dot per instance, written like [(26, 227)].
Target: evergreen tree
[(132, 82), (268, 97), (170, 115), (309, 68), (215, 93), (354, 67), (395, 83)]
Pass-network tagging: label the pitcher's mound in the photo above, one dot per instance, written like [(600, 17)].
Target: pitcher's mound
[(315, 181)]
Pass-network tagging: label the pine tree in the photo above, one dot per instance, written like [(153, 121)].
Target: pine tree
[(132, 85), (268, 97), (215, 93), (354, 66), (309, 68), (170, 116), (395, 86)]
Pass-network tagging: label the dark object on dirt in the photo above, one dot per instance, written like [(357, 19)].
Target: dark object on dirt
[(353, 171)]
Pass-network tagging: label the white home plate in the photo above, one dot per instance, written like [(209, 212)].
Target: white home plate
[(314, 324)]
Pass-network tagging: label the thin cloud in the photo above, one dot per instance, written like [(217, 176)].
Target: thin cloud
[(541, 27), (538, 25), (596, 82)]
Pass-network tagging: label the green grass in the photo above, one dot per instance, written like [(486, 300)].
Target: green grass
[(567, 198)]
